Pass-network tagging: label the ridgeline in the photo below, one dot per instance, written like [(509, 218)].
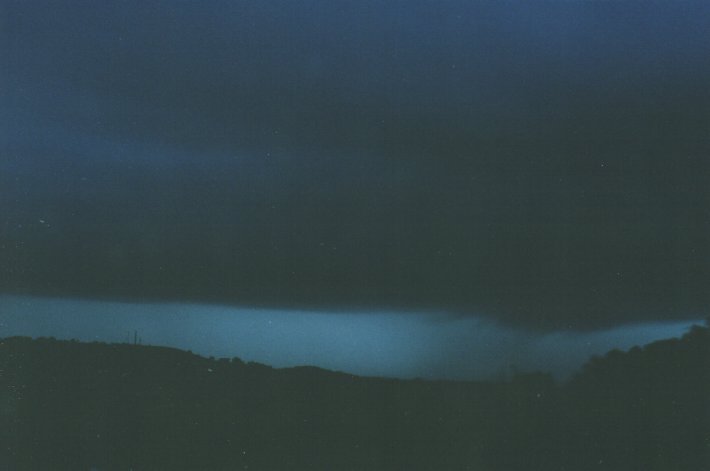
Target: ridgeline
[(83, 406)]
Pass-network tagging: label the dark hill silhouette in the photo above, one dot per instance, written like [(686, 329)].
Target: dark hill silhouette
[(648, 408), (81, 406)]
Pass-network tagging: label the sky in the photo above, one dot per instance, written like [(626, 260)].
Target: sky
[(541, 165), (374, 343)]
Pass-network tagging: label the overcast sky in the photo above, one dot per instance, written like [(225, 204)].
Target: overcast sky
[(541, 164)]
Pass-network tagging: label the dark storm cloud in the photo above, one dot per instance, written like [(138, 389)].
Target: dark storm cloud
[(544, 163)]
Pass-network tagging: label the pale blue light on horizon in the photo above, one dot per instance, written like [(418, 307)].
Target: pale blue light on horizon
[(366, 343)]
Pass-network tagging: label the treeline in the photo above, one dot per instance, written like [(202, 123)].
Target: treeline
[(81, 406)]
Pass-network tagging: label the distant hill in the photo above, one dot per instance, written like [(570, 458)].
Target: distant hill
[(80, 406)]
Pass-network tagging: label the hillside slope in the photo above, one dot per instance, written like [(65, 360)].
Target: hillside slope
[(71, 405)]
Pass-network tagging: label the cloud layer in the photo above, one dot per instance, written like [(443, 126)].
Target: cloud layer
[(542, 163)]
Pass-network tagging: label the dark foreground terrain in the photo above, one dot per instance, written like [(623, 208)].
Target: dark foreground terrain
[(78, 406)]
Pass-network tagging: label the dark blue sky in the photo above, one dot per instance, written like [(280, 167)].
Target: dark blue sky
[(540, 163)]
